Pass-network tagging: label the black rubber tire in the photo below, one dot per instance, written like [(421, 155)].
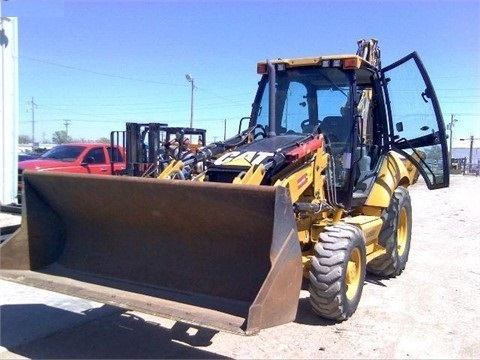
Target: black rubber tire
[(395, 236), (337, 272)]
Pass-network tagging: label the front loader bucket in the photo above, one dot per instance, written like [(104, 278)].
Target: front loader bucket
[(222, 256)]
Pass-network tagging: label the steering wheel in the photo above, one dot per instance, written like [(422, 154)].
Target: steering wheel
[(263, 133), (306, 125)]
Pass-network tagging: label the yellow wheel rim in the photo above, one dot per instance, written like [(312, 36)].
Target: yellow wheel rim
[(353, 275), (402, 232)]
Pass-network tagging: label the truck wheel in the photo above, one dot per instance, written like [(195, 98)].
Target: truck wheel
[(337, 272), (395, 236)]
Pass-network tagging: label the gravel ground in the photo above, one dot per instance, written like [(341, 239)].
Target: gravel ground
[(431, 311)]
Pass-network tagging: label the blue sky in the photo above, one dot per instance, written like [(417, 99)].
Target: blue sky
[(99, 64)]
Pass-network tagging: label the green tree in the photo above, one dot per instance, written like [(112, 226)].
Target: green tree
[(434, 152), (104, 140), (61, 137), (24, 139)]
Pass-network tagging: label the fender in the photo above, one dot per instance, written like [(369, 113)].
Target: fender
[(391, 174)]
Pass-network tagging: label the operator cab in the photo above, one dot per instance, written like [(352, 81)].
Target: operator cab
[(346, 99), (330, 100)]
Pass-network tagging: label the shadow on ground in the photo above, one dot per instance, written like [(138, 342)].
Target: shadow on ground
[(98, 333), (305, 314)]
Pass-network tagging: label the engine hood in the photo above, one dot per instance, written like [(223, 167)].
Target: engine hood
[(274, 143), (260, 151), (44, 164)]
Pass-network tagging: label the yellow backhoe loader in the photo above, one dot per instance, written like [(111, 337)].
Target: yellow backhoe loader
[(314, 190)]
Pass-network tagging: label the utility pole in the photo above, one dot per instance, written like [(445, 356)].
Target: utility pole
[(191, 80), (470, 155), (67, 124), (33, 106), (472, 139), (450, 127), (225, 129)]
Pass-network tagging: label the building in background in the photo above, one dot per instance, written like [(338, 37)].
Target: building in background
[(466, 152)]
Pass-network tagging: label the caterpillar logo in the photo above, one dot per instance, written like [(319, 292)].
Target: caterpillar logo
[(247, 158)]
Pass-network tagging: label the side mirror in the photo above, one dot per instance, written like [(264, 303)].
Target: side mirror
[(88, 160)]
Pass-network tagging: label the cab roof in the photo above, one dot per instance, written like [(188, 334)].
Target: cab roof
[(345, 61)]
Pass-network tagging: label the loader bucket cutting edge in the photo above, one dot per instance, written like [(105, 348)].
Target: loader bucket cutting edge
[(223, 256)]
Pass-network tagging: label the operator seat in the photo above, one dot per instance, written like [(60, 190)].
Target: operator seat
[(337, 128)]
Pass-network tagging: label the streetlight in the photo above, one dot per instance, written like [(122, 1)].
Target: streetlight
[(450, 127), (190, 80)]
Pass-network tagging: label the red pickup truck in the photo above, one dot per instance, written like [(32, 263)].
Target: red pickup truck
[(80, 158)]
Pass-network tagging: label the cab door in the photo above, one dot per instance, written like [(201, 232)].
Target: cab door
[(416, 126), (95, 162)]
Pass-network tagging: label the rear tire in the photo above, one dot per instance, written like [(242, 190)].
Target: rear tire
[(395, 236), (337, 272)]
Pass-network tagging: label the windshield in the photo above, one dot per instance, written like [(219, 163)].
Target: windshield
[(304, 98), (64, 152)]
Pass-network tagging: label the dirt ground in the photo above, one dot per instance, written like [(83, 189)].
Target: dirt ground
[(431, 311)]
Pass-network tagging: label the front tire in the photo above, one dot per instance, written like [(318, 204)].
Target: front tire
[(337, 272), (395, 236)]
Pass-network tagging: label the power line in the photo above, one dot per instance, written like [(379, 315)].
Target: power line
[(98, 72), (117, 76)]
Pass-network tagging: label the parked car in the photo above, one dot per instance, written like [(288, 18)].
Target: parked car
[(80, 158), (29, 156)]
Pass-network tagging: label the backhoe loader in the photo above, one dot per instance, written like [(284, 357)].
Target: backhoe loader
[(313, 192)]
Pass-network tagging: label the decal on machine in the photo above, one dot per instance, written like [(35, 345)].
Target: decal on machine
[(243, 158), (302, 181)]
